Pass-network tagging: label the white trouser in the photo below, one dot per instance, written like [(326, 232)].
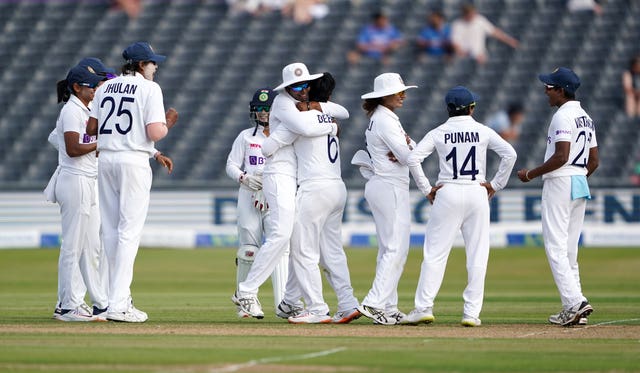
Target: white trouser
[(280, 193), (390, 207), (253, 226), (124, 185), (82, 264), (456, 208), (562, 220), (317, 239)]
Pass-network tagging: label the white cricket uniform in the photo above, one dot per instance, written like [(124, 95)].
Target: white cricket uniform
[(279, 187), (387, 193), (253, 224), (462, 204), (82, 265), (563, 215), (124, 106), (317, 232)]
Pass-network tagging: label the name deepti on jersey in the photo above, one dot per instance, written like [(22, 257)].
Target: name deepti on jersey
[(460, 137), (121, 88)]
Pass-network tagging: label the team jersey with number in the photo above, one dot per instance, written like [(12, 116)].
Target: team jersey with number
[(73, 118), (385, 134), (285, 113), (571, 123), (462, 145), (124, 106), (246, 154)]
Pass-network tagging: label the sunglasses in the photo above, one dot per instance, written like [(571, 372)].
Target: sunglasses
[(549, 86), (262, 108), (87, 85), (299, 87)]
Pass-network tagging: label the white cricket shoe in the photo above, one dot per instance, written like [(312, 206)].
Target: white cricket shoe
[(82, 313), (470, 321), (100, 313), (345, 317), (576, 315), (286, 310), (309, 318), (132, 314), (419, 316), (248, 306), (380, 317)]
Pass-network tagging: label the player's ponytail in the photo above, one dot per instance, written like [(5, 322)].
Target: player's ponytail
[(369, 105), (129, 68), (63, 92)]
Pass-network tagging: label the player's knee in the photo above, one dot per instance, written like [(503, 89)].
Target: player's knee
[(246, 253)]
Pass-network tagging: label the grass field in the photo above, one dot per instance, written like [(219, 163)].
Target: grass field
[(192, 325)]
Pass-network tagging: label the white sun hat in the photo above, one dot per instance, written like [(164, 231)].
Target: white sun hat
[(387, 84), (295, 73)]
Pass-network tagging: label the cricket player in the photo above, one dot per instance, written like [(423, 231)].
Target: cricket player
[(245, 164), (317, 231), (461, 202), (279, 186), (387, 193), (73, 187), (130, 113), (571, 156)]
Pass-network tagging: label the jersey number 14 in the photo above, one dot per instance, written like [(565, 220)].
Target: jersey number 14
[(468, 166)]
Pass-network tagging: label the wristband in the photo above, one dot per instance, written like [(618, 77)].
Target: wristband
[(526, 175)]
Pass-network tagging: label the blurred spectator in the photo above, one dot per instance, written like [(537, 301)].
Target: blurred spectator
[(378, 40), (435, 38), (507, 122), (635, 177), (584, 6), (131, 7), (255, 7), (631, 86), (469, 34), (304, 12)]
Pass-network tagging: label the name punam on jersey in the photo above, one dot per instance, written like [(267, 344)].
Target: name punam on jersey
[(121, 88), (460, 137), (582, 122)]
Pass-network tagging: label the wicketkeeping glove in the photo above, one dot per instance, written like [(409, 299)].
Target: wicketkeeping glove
[(253, 182), (259, 201)]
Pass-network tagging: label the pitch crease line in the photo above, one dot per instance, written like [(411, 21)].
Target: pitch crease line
[(277, 359), (570, 330)]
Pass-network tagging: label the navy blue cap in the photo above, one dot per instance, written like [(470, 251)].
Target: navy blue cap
[(83, 76), (97, 66), (460, 97), (562, 77), (142, 51), (263, 97)]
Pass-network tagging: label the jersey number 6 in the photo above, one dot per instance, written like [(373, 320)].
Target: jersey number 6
[(122, 111)]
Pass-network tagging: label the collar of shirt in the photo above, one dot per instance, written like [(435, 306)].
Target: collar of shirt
[(385, 110), (76, 101), (570, 105)]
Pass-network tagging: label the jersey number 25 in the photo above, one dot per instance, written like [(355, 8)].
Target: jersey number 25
[(122, 112)]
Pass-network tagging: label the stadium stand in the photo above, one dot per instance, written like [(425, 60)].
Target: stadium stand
[(216, 60)]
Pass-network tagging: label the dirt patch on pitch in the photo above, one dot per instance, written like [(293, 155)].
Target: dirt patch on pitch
[(502, 331)]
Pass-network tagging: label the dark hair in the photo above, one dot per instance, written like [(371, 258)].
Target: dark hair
[(369, 105), (514, 108), (322, 88), (569, 95), (63, 92), (456, 112), (131, 67), (633, 61)]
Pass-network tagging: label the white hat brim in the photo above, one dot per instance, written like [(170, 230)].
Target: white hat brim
[(298, 79), (386, 92)]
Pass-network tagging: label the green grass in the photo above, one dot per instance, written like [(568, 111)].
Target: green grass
[(193, 328)]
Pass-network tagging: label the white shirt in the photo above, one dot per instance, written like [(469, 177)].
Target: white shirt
[(571, 123), (384, 134), (318, 157), (285, 113), (124, 106), (462, 145), (471, 36), (73, 118), (246, 154)]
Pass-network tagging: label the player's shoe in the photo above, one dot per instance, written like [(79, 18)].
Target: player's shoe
[(309, 318), (345, 317), (470, 321), (396, 315), (286, 310), (249, 306), (379, 316), (583, 321), (100, 313), (573, 315), (132, 314), (82, 313), (419, 316)]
